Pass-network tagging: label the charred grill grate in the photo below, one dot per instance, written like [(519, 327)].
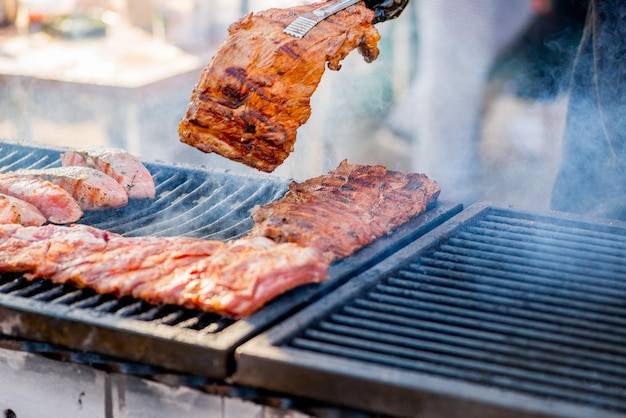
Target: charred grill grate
[(525, 304), (509, 302), (190, 201), (187, 204), (125, 307)]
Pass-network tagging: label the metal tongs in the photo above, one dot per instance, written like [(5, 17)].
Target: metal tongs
[(307, 21)]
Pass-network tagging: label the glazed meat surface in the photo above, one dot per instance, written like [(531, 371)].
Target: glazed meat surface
[(346, 209), (92, 189), (229, 278), (255, 93)]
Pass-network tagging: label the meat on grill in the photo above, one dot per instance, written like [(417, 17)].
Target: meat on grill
[(229, 278), (346, 209), (117, 163), (255, 93), (91, 188), (56, 204), (18, 211)]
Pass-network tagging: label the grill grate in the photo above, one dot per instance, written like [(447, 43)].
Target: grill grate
[(526, 304), (125, 307), (212, 207), (190, 201)]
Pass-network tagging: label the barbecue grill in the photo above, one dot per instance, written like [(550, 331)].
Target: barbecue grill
[(190, 201), (481, 312), (495, 313)]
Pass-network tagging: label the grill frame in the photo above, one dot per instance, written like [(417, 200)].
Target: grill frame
[(99, 327), (271, 361)]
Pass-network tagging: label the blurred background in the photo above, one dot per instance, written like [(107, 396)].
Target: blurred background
[(472, 93)]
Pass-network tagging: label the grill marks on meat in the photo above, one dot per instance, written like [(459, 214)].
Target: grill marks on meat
[(56, 204), (125, 168), (293, 242), (92, 189), (255, 93), (229, 278), (18, 211), (346, 209)]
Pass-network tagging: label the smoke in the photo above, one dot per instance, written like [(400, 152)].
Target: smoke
[(538, 63), (441, 113), (487, 108), (592, 177)]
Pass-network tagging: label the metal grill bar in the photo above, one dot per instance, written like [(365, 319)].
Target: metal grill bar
[(539, 251), (549, 274), (460, 336), (463, 285), (569, 228), (183, 203), (530, 304), (483, 308), (501, 317), (13, 159), (450, 366), (126, 307)]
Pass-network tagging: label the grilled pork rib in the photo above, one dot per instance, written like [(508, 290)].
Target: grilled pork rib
[(229, 278), (255, 93), (346, 209)]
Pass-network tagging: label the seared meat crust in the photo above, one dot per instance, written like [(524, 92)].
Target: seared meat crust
[(346, 209), (256, 91)]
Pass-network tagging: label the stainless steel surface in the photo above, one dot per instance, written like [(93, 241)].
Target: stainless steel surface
[(303, 24)]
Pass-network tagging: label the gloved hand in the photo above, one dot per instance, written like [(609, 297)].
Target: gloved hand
[(386, 9)]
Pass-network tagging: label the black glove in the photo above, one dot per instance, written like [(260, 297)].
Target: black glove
[(386, 9)]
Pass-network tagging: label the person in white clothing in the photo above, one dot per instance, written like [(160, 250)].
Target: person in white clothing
[(458, 41)]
